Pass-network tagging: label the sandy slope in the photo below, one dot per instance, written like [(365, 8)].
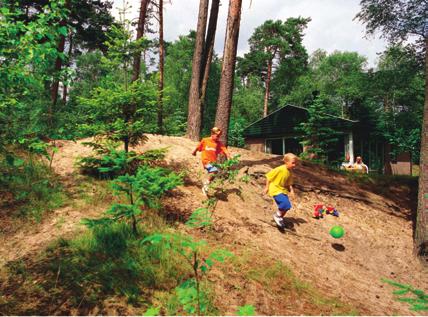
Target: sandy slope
[(378, 240)]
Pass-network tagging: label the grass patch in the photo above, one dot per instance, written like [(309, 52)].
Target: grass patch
[(82, 275), (29, 187)]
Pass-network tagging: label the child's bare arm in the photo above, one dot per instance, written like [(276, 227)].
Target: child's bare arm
[(195, 150), (291, 190), (266, 189)]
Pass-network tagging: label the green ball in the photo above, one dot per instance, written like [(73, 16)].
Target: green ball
[(337, 232)]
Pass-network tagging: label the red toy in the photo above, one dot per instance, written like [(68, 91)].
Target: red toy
[(320, 210)]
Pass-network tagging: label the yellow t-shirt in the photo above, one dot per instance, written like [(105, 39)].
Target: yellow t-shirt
[(279, 179)]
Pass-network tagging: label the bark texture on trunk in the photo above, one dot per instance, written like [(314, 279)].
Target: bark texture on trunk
[(161, 69), (267, 88), (140, 32), (208, 55), (228, 68), (421, 232), (194, 111), (55, 82)]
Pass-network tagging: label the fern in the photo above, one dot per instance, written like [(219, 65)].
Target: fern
[(419, 300)]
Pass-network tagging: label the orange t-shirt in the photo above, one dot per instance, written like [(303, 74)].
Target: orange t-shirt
[(210, 149)]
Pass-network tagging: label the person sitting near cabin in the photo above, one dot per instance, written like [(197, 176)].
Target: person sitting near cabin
[(348, 163), (359, 166)]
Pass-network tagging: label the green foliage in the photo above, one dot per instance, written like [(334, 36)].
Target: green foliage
[(317, 135), (338, 77), (109, 162), (189, 298), (29, 184), (119, 109), (418, 300), (198, 258), (107, 261), (397, 20), (119, 114), (236, 129), (246, 310), (276, 43), (200, 218), (152, 311), (142, 191), (27, 51), (228, 170), (397, 92)]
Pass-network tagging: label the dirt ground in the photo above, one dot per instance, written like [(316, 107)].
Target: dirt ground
[(377, 243)]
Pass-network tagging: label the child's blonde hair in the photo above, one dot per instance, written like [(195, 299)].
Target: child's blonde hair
[(289, 157)]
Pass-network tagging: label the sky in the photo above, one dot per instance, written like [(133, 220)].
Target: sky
[(331, 28)]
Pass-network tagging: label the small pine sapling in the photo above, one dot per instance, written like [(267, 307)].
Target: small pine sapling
[(200, 260), (417, 302), (142, 190), (110, 162)]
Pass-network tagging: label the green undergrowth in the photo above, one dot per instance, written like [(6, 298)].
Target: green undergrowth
[(28, 187), (79, 275)]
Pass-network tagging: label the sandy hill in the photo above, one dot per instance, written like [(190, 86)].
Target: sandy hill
[(377, 243)]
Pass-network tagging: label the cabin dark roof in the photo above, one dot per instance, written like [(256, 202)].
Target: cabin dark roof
[(283, 121)]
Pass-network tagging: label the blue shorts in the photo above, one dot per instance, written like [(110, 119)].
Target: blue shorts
[(211, 169), (283, 202)]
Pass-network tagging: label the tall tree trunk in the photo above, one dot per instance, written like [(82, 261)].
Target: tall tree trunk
[(70, 51), (228, 68), (421, 234), (161, 69), (208, 53), (194, 111), (55, 82), (387, 168), (140, 32), (267, 89)]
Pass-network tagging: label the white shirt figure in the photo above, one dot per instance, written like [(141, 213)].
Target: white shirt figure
[(347, 164), (360, 166)]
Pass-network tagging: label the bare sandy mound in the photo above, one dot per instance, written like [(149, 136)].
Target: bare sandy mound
[(377, 244), (378, 240)]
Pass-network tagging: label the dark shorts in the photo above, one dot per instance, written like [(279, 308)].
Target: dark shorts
[(210, 168), (283, 202)]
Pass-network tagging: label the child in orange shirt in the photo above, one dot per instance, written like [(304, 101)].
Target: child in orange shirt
[(210, 148)]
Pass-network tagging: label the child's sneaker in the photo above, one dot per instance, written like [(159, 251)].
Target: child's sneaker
[(279, 221), (205, 188)]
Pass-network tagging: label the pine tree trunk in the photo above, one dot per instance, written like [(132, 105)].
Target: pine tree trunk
[(228, 68), (267, 89), (55, 82), (194, 111), (161, 69), (70, 51), (421, 234), (140, 32), (208, 53)]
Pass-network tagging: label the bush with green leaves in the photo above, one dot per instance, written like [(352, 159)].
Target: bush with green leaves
[(141, 191), (199, 258), (28, 51), (108, 162)]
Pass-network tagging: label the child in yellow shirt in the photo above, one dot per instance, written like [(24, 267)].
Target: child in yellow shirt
[(279, 185)]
